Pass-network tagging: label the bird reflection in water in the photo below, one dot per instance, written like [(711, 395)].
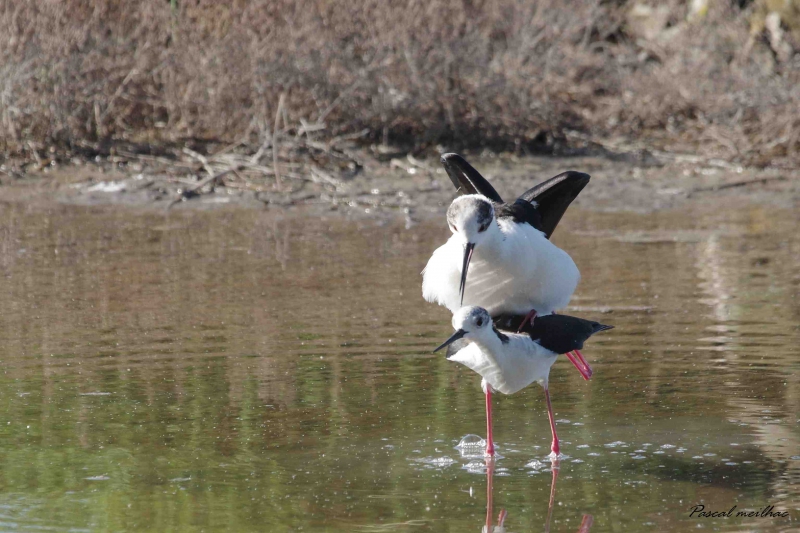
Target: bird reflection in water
[(586, 522), (501, 518)]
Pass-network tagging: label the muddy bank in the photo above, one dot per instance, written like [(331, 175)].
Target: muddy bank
[(414, 187)]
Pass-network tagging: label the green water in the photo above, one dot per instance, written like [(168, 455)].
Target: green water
[(258, 371)]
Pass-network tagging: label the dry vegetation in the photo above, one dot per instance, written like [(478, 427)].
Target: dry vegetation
[(88, 76)]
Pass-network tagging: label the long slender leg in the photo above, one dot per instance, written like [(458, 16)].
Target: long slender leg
[(585, 374), (554, 446), (489, 436), (583, 361), (528, 319)]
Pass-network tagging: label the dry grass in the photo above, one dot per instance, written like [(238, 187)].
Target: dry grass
[(468, 72)]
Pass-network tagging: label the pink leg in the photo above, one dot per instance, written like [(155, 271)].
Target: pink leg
[(585, 374), (554, 446), (489, 436), (528, 319), (582, 359)]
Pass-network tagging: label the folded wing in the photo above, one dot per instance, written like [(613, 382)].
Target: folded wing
[(558, 333)]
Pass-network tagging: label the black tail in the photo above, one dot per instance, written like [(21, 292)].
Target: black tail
[(598, 327)]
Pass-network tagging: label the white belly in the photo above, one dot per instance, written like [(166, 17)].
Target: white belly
[(524, 271), (510, 371)]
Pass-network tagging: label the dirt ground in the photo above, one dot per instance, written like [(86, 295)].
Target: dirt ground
[(417, 188)]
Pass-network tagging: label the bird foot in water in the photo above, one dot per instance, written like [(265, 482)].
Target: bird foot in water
[(494, 455), (555, 456)]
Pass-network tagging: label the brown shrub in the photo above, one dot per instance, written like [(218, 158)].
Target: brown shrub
[(468, 71)]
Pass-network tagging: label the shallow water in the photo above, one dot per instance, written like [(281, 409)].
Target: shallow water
[(255, 371)]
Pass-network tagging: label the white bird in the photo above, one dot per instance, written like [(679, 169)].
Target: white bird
[(509, 362), (515, 267)]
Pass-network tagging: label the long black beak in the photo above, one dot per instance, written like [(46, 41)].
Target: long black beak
[(467, 256), (453, 338)]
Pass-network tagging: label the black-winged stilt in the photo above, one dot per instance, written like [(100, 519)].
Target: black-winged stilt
[(515, 268), (509, 362)]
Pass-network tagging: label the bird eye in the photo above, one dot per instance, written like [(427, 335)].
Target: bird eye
[(483, 228), (479, 322)]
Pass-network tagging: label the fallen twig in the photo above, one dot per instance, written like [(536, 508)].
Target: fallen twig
[(417, 163), (288, 201), (743, 183), (348, 137), (155, 159), (201, 158), (625, 147), (323, 177), (275, 140), (39, 163), (306, 127), (296, 159), (191, 191)]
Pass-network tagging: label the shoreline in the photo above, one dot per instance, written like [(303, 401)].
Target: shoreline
[(406, 185)]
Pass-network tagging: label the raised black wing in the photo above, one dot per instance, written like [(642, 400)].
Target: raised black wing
[(466, 179), (553, 198), (558, 333)]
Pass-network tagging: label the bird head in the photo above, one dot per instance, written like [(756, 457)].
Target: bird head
[(469, 322), (471, 218)]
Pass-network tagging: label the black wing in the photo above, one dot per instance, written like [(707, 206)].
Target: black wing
[(521, 211), (553, 198), (557, 333), (466, 179)]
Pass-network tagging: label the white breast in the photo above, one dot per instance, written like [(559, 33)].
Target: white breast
[(510, 367), (520, 272)]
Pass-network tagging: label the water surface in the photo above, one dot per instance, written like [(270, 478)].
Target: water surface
[(257, 371)]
